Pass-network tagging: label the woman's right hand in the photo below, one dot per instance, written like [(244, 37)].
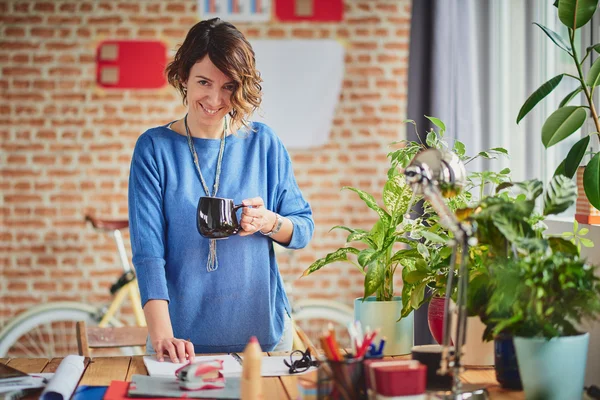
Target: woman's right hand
[(178, 350)]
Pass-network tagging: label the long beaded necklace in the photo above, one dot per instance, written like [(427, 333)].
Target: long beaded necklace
[(212, 263)]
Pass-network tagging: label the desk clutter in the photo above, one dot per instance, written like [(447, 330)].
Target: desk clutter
[(57, 386), (362, 373)]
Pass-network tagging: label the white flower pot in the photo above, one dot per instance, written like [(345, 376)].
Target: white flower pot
[(384, 315)]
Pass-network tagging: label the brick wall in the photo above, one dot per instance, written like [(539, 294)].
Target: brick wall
[(66, 145)]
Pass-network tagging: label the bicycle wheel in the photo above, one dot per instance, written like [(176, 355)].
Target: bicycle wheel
[(47, 330), (314, 315)]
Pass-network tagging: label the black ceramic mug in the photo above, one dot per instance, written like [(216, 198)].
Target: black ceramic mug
[(216, 218)]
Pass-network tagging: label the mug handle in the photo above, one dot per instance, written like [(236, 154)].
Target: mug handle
[(239, 227), (235, 208)]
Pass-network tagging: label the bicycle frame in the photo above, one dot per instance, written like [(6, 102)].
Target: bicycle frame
[(129, 289)]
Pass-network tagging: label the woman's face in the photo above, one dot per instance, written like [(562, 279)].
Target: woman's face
[(209, 92)]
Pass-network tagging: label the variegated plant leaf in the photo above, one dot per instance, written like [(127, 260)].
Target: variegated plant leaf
[(561, 192), (338, 255), (370, 202)]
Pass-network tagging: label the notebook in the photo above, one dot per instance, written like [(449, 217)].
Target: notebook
[(147, 386)]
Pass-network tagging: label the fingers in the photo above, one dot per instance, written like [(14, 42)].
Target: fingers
[(254, 202), (159, 348), (170, 351), (177, 350), (189, 348), (253, 217)]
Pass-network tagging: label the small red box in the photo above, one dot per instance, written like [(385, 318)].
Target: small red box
[(396, 377), (131, 64), (309, 10)]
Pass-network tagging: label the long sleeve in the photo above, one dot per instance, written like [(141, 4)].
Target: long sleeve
[(147, 222), (292, 205)]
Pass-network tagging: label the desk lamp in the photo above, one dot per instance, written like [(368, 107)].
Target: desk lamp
[(436, 175)]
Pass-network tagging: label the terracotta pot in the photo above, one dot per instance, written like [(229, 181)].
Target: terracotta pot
[(585, 213), (435, 318)]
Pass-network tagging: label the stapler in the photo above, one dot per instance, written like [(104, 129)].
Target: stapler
[(201, 375)]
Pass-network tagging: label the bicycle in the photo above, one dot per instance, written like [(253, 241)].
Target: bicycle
[(48, 330), (312, 315)]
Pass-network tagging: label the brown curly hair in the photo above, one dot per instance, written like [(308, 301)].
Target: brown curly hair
[(231, 53)]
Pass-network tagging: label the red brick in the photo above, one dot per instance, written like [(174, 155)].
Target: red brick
[(68, 7), (61, 21), (128, 7), (13, 31), (44, 7), (20, 45), (176, 8)]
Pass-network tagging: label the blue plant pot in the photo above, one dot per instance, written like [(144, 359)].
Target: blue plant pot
[(552, 369), (505, 360), (384, 315)]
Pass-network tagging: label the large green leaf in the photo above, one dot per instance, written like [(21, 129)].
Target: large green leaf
[(561, 192), (561, 124), (575, 156), (538, 95), (561, 245), (338, 255), (367, 256), (437, 122), (377, 233), (560, 170), (396, 197), (532, 188), (374, 278), (570, 97), (370, 202), (512, 228), (576, 13), (556, 38), (433, 237), (405, 253), (593, 77), (414, 276), (591, 181), (595, 47), (418, 295), (362, 236)]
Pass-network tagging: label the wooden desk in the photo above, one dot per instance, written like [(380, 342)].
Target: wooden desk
[(102, 370)]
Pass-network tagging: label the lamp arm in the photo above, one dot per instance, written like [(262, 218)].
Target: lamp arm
[(447, 218)]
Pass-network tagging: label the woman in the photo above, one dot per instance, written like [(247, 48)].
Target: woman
[(200, 296)]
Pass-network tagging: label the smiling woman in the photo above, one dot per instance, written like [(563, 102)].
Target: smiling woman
[(214, 70), (199, 297)]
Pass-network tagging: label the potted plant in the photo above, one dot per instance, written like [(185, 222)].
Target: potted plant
[(568, 119), (423, 256), (535, 289)]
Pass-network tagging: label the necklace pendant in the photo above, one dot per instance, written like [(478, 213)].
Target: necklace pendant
[(212, 263)]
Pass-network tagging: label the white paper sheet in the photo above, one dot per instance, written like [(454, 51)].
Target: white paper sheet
[(271, 366), (65, 379), (274, 366), (167, 368), (36, 381)]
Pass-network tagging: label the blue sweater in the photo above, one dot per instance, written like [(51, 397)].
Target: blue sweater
[(218, 311)]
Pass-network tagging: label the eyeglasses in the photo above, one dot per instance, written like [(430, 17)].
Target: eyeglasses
[(300, 361)]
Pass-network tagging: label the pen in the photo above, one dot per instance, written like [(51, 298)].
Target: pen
[(237, 358)]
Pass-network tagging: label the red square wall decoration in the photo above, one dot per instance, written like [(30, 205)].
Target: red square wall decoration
[(309, 10), (131, 64)]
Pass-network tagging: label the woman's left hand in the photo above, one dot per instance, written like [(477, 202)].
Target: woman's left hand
[(256, 217)]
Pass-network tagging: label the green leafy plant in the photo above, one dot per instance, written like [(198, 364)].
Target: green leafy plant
[(528, 283), (568, 119), (416, 245)]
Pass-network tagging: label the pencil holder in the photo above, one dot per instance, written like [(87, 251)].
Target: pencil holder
[(341, 380)]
